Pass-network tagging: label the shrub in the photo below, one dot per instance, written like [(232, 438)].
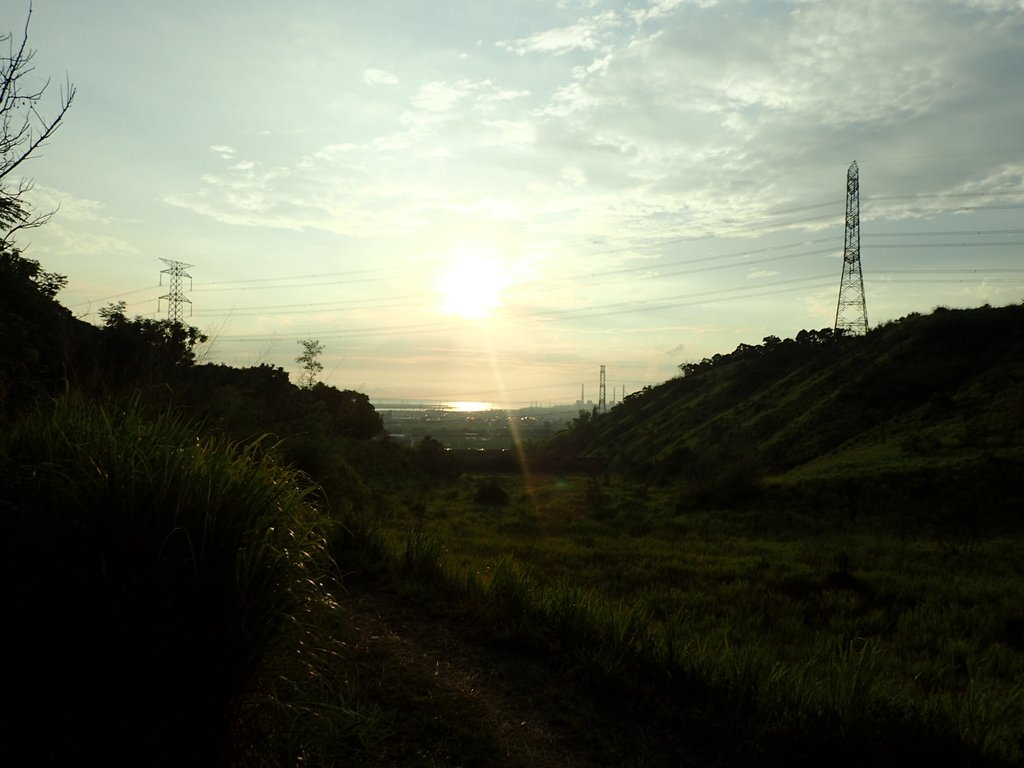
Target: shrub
[(152, 571), (491, 494)]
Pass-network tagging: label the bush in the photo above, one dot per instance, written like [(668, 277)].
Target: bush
[(151, 571), (491, 494)]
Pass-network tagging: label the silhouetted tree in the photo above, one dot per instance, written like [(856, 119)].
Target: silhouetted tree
[(434, 459), (143, 348), (310, 361), (348, 413), (35, 330), (23, 129)]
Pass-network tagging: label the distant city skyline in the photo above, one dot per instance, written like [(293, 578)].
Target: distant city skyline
[(486, 202)]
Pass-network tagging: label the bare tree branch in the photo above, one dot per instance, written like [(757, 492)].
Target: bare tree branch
[(23, 130)]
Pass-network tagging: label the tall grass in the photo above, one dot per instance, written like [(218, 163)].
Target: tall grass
[(151, 571), (821, 636)]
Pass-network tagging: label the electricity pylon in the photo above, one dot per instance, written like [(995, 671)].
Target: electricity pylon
[(602, 403), (852, 311), (175, 297)]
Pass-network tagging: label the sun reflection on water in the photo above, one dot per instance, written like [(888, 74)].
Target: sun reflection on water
[(469, 406)]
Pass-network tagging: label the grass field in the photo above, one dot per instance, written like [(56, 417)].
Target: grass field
[(808, 615), (276, 622)]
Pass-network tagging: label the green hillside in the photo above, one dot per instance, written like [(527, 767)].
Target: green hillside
[(939, 395)]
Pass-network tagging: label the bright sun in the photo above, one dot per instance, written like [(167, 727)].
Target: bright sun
[(471, 285)]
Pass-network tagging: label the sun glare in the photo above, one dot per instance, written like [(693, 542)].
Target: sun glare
[(471, 285), (469, 406)]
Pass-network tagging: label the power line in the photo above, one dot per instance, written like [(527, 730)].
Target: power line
[(604, 310), (113, 296), (972, 282), (949, 271), (409, 300), (946, 233), (283, 282), (945, 245)]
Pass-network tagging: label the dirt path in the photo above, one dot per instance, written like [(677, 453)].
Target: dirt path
[(444, 669), (465, 700)]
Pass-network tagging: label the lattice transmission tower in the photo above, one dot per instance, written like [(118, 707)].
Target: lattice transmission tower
[(852, 311), (175, 298), (602, 401)]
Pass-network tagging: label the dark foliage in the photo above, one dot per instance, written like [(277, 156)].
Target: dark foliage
[(435, 460), (40, 342), (146, 579), (491, 494), (143, 349), (347, 412), (771, 345)]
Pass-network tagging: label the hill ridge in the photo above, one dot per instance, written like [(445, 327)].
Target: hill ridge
[(951, 382)]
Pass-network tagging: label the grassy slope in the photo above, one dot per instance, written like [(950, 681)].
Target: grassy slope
[(925, 391), (805, 631)]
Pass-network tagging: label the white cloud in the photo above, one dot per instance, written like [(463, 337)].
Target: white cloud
[(379, 77), (587, 34), (505, 94), (660, 8), (68, 239), (702, 115), (223, 150), (440, 96), (697, 128), (574, 177), (91, 244), (509, 133), (68, 207)]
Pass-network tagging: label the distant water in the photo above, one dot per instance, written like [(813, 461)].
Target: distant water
[(470, 406), (456, 406)]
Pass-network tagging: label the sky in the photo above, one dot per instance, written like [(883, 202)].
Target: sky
[(487, 201)]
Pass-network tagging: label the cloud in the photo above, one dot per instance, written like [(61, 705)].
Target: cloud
[(321, 191), (578, 3), (714, 121), (59, 242), (223, 150), (504, 94), (587, 34), (379, 77), (661, 8), (509, 133), (440, 96), (68, 206), (711, 113), (1007, 6)]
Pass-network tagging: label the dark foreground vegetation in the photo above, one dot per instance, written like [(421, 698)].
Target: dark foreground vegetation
[(806, 552)]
